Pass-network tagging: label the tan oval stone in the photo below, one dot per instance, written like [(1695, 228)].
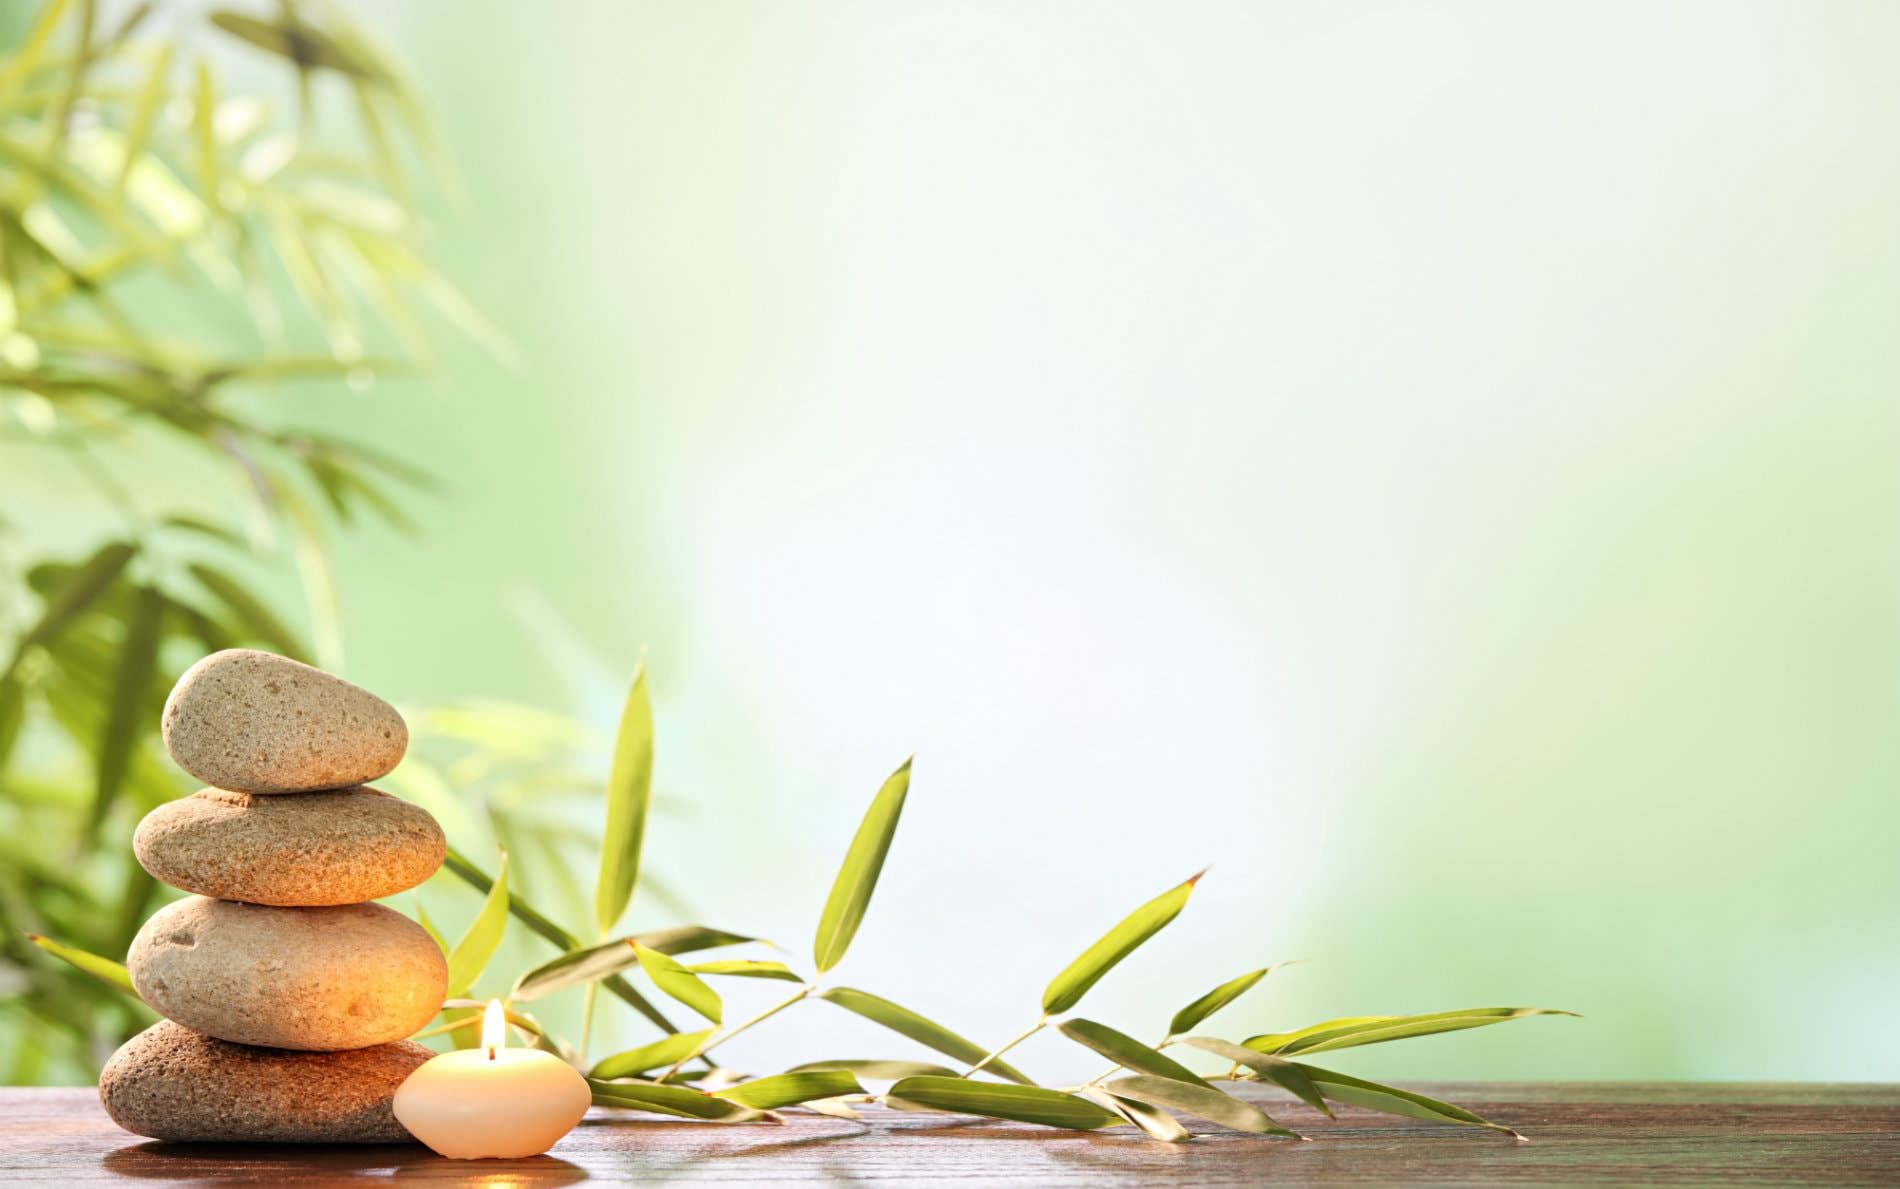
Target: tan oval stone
[(321, 979), (299, 849), (171, 1083), (260, 723)]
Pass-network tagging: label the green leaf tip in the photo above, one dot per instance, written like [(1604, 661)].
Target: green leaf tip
[(1156, 1123), (655, 1055), (1353, 1031), (1393, 1101), (471, 955), (629, 792), (107, 971), (858, 874), (678, 982), (1218, 998), (1066, 989), (579, 966)]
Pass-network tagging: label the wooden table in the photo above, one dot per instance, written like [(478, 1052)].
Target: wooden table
[(1580, 1134)]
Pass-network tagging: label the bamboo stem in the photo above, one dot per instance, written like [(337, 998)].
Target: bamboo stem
[(995, 1053), (714, 1042)]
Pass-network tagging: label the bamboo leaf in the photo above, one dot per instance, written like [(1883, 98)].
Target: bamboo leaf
[(1067, 989), (327, 201), (92, 579), (882, 1070), (669, 1100), (1024, 1104), (1278, 1070), (205, 528), (381, 292), (1203, 1102), (302, 44), (388, 169), (1354, 1031), (747, 968), (1155, 1122), (707, 1072), (125, 720), (573, 969), (205, 108), (314, 287), (1126, 1051), (679, 982), (76, 72), (790, 1089), (459, 865), (1272, 1040), (401, 94), (465, 316), (12, 716), (928, 1033), (687, 939), (857, 878), (27, 57), (1191, 1015), (471, 954), (581, 966), (50, 234), (428, 926), (1393, 1101), (629, 788), (659, 1054), (139, 133), (111, 973), (128, 26), (251, 613)]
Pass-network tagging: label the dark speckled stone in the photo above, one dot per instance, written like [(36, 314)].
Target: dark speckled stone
[(171, 1083)]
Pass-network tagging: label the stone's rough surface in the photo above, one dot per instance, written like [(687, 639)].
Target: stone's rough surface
[(259, 723), (290, 848), (344, 977), (171, 1083)]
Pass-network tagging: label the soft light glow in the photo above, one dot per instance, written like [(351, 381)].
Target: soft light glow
[(494, 1028), (493, 1101)]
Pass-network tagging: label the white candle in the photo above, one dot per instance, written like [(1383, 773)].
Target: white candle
[(492, 1101)]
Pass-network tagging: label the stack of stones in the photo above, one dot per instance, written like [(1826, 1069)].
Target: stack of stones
[(286, 994)]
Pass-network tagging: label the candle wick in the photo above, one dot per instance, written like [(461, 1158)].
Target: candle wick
[(491, 1054)]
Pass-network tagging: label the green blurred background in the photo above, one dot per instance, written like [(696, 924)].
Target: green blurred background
[(1439, 464)]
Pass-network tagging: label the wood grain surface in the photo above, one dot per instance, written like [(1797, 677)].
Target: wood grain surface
[(1580, 1134)]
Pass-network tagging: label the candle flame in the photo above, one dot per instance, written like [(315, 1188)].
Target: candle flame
[(494, 1028)]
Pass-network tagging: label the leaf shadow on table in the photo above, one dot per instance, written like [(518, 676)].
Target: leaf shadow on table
[(1119, 1153), (215, 1164), (778, 1146), (718, 1143)]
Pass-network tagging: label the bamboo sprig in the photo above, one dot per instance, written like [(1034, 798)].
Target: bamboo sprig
[(1143, 1087)]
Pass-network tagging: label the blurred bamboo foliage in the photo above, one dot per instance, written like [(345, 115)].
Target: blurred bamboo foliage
[(179, 258)]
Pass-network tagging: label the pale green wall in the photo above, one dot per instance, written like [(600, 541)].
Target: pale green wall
[(1438, 463)]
